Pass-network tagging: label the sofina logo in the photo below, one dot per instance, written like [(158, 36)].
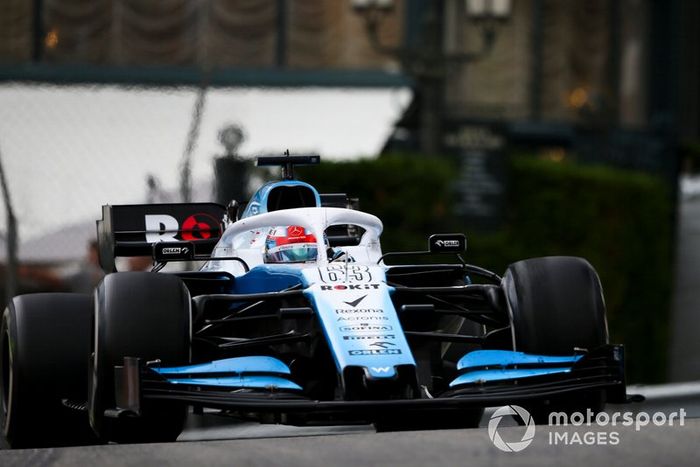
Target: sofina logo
[(527, 421)]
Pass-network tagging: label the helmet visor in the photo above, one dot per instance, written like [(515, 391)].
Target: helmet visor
[(292, 253)]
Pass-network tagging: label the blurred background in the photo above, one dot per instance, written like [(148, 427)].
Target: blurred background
[(538, 127)]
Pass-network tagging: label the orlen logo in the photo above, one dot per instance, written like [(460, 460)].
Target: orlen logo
[(351, 287), (175, 250), (165, 228), (448, 243)]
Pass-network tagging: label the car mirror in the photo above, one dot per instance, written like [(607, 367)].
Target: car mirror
[(447, 243)]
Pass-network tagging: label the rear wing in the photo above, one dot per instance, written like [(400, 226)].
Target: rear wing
[(133, 230)]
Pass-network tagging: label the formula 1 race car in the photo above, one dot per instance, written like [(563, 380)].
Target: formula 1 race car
[(295, 316)]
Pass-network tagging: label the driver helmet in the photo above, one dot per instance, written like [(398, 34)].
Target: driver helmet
[(290, 244)]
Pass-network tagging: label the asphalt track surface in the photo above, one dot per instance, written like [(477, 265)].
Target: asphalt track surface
[(212, 443), (676, 446)]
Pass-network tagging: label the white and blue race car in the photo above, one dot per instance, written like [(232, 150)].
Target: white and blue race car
[(296, 316)]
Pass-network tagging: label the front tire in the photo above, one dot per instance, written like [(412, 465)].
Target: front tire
[(145, 315), (44, 348), (556, 305)]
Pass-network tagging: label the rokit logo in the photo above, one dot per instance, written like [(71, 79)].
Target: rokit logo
[(369, 337), (351, 287), (375, 352), (364, 327), (165, 228)]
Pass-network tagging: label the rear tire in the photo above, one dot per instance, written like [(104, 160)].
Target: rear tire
[(44, 348), (144, 315), (556, 305)]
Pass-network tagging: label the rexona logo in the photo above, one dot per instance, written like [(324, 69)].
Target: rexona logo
[(375, 352), (340, 311), (351, 287), (165, 228), (527, 421), (364, 327)]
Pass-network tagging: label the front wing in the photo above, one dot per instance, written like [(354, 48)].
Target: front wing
[(601, 369)]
